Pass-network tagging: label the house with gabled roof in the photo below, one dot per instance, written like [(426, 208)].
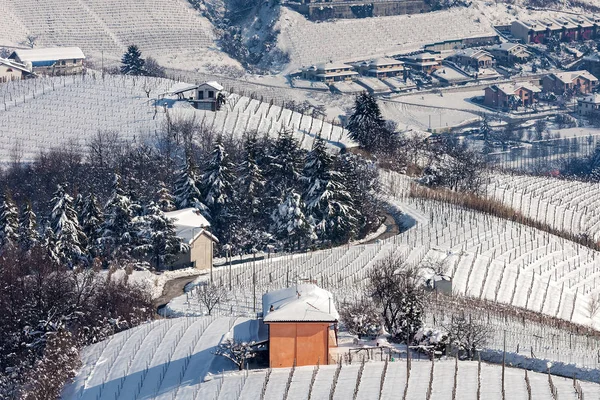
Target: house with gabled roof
[(194, 230), (51, 61), (11, 70), (302, 322), (575, 82), (511, 94), (206, 96), (507, 53), (424, 62), (589, 104), (474, 58), (330, 72), (382, 67)]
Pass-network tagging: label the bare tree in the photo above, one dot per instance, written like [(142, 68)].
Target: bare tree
[(468, 335), (361, 318), (238, 352), (395, 287), (594, 304), (30, 40), (210, 295)]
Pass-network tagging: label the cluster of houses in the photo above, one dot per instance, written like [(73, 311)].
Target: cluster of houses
[(564, 28), (524, 94), (24, 63)]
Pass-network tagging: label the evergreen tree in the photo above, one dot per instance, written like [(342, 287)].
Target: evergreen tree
[(28, 235), (133, 63), (187, 193), (290, 225), (328, 203), (158, 238), (118, 229), (284, 167), (9, 221), (91, 223), (70, 239), (217, 188), (49, 243), (165, 200), (366, 125), (251, 182)]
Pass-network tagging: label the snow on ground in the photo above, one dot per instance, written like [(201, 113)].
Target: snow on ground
[(154, 282), (44, 113), (171, 31), (360, 39), (570, 206)]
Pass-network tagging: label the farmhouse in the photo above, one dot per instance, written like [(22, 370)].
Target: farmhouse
[(508, 53), (588, 104), (474, 58), (424, 62), (382, 67), (302, 324), (192, 228), (206, 96), (330, 72), (12, 71), (51, 61), (571, 81), (509, 95)]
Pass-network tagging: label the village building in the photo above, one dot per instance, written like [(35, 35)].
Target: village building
[(588, 104), (424, 62), (206, 96), (509, 53), (51, 61), (506, 95), (474, 58), (330, 72), (574, 82), (382, 67), (439, 283), (193, 229), (302, 322), (12, 71), (565, 28)]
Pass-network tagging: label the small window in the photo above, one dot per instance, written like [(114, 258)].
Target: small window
[(9, 70), (63, 62), (211, 94), (74, 61), (201, 95)]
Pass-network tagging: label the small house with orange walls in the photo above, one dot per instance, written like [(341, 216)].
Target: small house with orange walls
[(302, 323)]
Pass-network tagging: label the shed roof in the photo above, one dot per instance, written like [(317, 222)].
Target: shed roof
[(304, 302), (14, 64), (49, 54), (190, 224)]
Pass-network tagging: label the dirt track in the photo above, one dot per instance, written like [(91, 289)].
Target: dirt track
[(172, 289)]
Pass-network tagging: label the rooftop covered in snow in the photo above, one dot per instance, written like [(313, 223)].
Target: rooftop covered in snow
[(189, 224), (48, 54), (304, 302)]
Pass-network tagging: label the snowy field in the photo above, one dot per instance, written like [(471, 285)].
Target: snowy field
[(569, 206), (360, 39), (171, 31), (50, 112)]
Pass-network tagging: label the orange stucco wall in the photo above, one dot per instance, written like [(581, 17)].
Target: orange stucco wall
[(307, 343)]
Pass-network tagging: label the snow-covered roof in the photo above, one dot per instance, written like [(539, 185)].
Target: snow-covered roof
[(189, 224), (473, 53), (507, 46), (214, 84), (383, 61), (181, 87), (570, 76), (511, 88), (304, 302), (49, 54), (332, 65), (14, 64)]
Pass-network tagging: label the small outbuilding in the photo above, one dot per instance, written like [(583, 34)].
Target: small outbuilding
[(51, 61), (302, 322), (193, 229), (10, 71), (206, 96)]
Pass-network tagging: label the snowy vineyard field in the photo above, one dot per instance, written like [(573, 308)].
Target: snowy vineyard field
[(569, 206), (359, 39), (49, 112), (170, 31)]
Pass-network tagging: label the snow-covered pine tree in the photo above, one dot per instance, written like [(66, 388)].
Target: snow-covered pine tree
[(118, 229), (158, 239), (91, 223), (284, 167), (27, 231), (251, 181), (9, 221), (49, 243), (70, 239), (164, 199), (217, 190), (187, 193), (290, 225), (133, 63), (366, 124), (328, 203)]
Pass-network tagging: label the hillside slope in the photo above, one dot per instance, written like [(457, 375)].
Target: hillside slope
[(170, 31)]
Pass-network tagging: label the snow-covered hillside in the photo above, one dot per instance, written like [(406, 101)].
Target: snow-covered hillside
[(50, 112), (170, 31), (569, 206)]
